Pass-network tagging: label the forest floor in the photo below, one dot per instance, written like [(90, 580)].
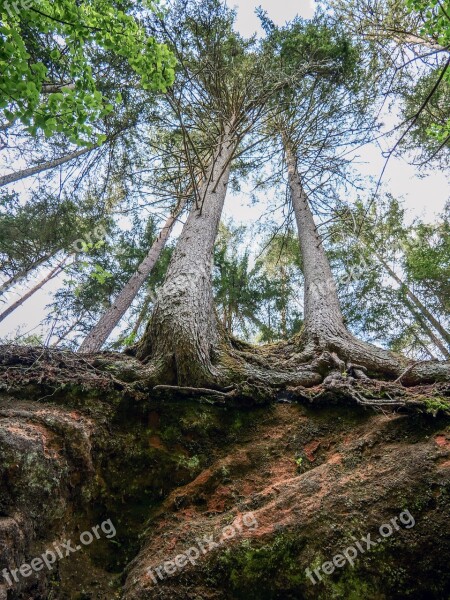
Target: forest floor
[(216, 501)]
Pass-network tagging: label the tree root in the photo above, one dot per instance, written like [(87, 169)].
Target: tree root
[(430, 399), (247, 377)]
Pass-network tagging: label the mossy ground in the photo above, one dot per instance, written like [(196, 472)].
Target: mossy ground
[(167, 470)]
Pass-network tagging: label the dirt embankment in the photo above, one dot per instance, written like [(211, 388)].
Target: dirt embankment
[(213, 502)]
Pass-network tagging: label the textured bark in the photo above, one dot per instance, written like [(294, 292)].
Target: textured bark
[(323, 315), (183, 331), (100, 333), (53, 273), (324, 328), (51, 164)]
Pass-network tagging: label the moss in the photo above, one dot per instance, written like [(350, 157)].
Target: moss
[(276, 565), (351, 587), (192, 463), (436, 405)]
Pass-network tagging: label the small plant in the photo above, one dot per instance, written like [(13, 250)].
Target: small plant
[(192, 463)]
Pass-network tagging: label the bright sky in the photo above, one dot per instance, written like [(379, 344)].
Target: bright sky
[(424, 197), (279, 11)]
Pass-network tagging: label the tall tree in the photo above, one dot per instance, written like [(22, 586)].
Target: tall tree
[(46, 77), (110, 319), (221, 93), (324, 328)]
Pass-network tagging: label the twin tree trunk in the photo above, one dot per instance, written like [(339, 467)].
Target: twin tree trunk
[(101, 332), (183, 333), (183, 340)]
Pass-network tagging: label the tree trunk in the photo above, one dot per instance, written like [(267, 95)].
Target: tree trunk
[(143, 313), (66, 333), (51, 164), (324, 328), (183, 332), (53, 273), (100, 333), (418, 304), (419, 317), (284, 333), (323, 315), (6, 285)]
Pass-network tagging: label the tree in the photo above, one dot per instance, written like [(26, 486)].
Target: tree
[(324, 328), (47, 80), (427, 261), (53, 273), (223, 95), (110, 319), (33, 233), (408, 41), (381, 304), (281, 266), (98, 276), (237, 287)]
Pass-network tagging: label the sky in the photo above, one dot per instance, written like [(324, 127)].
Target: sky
[(423, 197), (279, 11)]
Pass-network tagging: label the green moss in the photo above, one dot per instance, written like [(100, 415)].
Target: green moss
[(436, 405), (274, 565), (350, 587), (191, 463)]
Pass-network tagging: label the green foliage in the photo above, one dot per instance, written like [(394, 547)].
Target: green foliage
[(435, 25), (46, 77), (431, 128), (257, 301), (436, 19), (238, 289), (375, 306), (427, 260), (32, 231), (320, 46), (99, 274)]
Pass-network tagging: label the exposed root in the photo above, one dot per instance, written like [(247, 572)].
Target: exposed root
[(431, 399), (247, 376)]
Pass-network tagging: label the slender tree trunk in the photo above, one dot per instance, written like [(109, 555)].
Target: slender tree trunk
[(143, 313), (324, 328), (100, 332), (6, 285), (283, 311), (323, 315), (53, 273), (66, 333), (183, 332), (417, 303), (427, 330), (51, 164)]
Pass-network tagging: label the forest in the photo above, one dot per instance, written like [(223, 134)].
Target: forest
[(224, 300)]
